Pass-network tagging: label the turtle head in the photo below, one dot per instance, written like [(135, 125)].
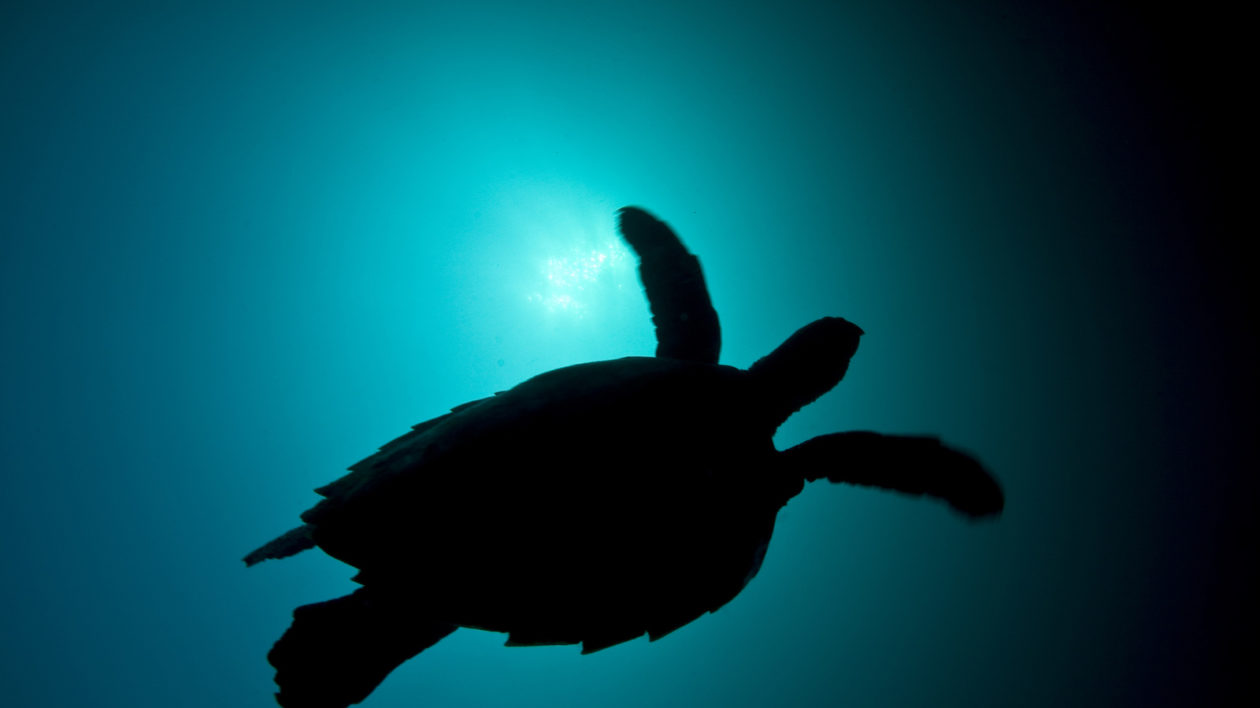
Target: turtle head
[(806, 366)]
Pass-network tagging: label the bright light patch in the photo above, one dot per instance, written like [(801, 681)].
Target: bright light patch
[(573, 283), (582, 272)]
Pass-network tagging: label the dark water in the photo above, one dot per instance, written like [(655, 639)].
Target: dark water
[(243, 246)]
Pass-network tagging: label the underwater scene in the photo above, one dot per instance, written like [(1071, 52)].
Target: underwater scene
[(243, 246)]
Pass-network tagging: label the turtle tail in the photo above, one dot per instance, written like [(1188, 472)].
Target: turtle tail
[(336, 652), (290, 543)]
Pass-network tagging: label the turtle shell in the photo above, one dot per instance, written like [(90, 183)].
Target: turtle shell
[(588, 504)]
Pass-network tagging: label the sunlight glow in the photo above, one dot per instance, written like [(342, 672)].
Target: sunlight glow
[(573, 282)]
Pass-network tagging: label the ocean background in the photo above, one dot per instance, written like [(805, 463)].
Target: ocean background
[(242, 244)]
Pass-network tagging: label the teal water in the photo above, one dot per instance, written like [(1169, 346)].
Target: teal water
[(246, 243)]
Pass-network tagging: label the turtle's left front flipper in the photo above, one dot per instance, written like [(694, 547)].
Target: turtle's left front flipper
[(902, 463), (686, 323)]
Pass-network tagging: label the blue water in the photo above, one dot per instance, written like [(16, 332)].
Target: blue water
[(246, 243)]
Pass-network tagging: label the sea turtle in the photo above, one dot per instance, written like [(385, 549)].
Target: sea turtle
[(591, 504)]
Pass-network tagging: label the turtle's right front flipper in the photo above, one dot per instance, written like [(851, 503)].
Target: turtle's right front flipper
[(910, 464), (686, 323)]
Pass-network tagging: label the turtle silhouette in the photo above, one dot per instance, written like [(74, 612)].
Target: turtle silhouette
[(592, 504)]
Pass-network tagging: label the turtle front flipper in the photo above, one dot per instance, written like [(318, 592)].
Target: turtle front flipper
[(686, 323), (901, 463)]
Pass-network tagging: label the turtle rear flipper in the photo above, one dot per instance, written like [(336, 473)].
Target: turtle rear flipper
[(336, 652), (909, 464), (686, 323)]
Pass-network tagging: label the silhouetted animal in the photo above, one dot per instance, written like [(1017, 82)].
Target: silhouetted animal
[(590, 504)]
